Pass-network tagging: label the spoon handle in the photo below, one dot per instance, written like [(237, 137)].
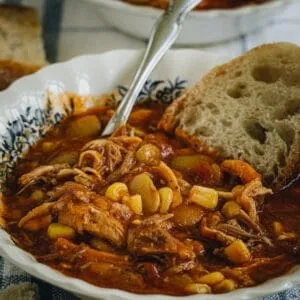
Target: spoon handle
[(164, 34)]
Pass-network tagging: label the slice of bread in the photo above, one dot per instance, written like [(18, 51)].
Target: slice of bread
[(247, 109), (21, 46)]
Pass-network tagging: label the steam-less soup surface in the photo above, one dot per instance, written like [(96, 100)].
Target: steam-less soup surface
[(143, 212)]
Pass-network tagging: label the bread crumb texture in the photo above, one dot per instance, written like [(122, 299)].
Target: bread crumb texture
[(21, 45), (249, 109)]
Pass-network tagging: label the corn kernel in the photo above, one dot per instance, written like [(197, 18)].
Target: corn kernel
[(225, 286), (211, 278), (135, 204), (37, 195), (56, 230), (116, 191), (237, 252), (136, 222), (230, 209), (206, 197), (148, 154), (197, 288), (278, 228), (166, 197)]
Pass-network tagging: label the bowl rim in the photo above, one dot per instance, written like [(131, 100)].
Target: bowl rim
[(155, 12), (77, 286)]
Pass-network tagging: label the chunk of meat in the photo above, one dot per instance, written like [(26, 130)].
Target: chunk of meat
[(89, 218), (154, 239), (121, 212), (79, 193), (240, 169)]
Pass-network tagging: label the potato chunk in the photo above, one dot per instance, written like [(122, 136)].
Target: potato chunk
[(86, 126), (185, 162), (148, 154), (188, 215)]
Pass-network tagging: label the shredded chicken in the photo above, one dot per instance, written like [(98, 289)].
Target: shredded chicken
[(246, 198), (40, 173), (150, 238), (88, 218), (236, 231), (82, 210), (69, 251), (240, 169), (209, 229), (39, 211), (126, 166), (110, 151), (92, 159)]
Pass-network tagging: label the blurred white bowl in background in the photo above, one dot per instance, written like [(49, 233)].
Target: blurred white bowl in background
[(201, 27)]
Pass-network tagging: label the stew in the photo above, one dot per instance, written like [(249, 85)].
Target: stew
[(206, 4), (142, 211)]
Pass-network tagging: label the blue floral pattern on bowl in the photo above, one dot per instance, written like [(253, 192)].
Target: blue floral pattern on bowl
[(33, 123)]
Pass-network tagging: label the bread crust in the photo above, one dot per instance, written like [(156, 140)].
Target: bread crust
[(172, 119), (21, 46), (11, 71)]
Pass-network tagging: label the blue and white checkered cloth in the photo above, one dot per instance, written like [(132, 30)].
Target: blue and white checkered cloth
[(73, 28)]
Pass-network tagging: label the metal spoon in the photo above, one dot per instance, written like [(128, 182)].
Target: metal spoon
[(164, 34)]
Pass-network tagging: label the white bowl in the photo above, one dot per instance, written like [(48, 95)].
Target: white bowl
[(201, 27), (25, 115)]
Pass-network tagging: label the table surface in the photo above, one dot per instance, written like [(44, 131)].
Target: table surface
[(73, 27)]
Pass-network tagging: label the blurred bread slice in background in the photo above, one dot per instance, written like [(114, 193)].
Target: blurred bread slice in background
[(21, 45), (247, 109)]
